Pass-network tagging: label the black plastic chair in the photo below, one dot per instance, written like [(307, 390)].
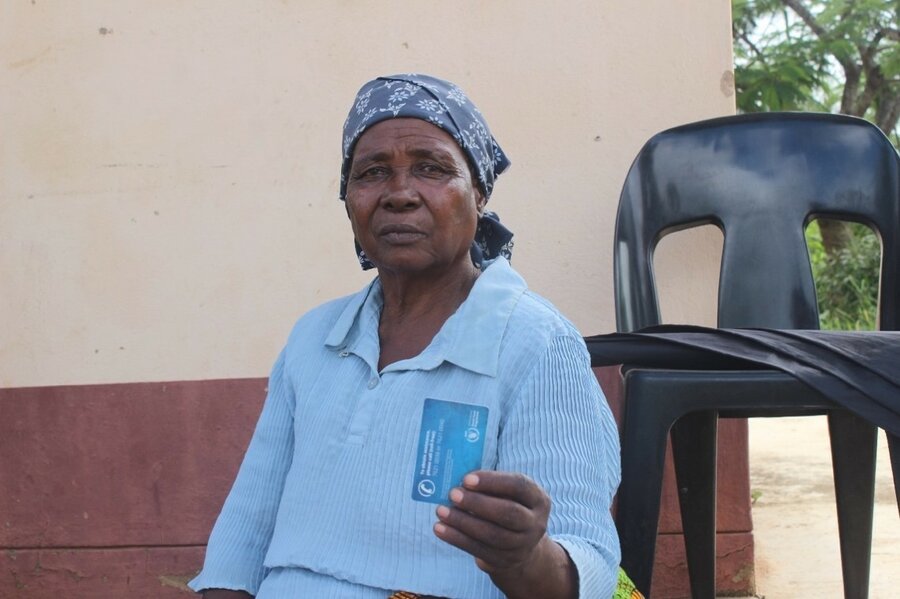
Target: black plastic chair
[(761, 179)]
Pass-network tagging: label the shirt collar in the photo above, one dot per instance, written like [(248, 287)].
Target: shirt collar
[(470, 338)]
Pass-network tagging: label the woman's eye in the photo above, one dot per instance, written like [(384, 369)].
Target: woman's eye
[(373, 172), (431, 170)]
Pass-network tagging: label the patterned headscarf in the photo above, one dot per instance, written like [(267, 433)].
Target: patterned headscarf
[(444, 105)]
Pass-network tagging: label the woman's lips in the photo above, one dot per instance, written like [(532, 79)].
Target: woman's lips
[(400, 233)]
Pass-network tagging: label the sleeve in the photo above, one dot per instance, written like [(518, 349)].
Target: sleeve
[(560, 431), (243, 530)]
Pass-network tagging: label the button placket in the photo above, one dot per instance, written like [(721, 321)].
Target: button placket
[(361, 420)]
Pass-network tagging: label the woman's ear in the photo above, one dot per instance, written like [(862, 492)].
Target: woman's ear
[(480, 201)]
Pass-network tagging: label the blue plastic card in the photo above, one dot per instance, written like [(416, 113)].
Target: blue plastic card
[(451, 443)]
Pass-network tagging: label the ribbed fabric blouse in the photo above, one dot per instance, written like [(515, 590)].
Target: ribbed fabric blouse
[(323, 499)]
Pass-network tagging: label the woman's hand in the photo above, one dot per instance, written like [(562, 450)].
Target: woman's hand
[(500, 518)]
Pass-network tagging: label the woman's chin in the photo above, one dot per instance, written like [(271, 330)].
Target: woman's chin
[(413, 265)]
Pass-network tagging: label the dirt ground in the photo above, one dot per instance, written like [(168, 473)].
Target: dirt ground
[(794, 518)]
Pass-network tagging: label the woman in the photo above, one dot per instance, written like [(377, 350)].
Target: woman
[(326, 502)]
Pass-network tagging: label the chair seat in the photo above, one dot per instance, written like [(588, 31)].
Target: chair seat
[(673, 393)]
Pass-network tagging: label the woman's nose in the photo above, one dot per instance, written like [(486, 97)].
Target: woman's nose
[(401, 192)]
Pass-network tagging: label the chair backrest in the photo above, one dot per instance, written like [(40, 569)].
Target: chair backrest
[(760, 178)]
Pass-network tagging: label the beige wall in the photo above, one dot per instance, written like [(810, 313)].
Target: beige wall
[(169, 169)]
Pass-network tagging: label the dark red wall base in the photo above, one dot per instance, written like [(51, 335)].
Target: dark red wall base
[(148, 572), (111, 490)]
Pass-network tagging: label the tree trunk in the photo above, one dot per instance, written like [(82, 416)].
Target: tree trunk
[(835, 235)]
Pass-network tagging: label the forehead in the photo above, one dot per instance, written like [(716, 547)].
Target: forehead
[(405, 134)]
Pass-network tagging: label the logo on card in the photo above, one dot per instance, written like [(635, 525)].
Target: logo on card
[(426, 488), (472, 435)]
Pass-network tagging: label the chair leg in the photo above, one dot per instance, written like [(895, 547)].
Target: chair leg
[(694, 449), (853, 446), (645, 430), (894, 449)]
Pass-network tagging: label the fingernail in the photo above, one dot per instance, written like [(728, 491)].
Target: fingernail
[(456, 495), (471, 480), (443, 511), (440, 528)]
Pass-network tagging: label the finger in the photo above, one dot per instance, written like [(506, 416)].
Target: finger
[(511, 485), (486, 533), (487, 558), (504, 513), (484, 566)]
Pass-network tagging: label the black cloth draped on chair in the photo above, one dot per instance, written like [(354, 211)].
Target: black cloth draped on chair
[(858, 370)]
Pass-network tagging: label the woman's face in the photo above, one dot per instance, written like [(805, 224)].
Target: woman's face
[(411, 199)]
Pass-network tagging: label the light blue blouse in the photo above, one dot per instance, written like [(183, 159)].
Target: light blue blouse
[(322, 502)]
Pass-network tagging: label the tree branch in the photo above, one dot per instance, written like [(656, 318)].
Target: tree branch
[(848, 10), (874, 87), (852, 71), (742, 35), (868, 53), (874, 79), (851, 87), (808, 18), (877, 90), (887, 112)]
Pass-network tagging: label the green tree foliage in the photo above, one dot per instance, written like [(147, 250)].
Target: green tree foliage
[(846, 280), (827, 56)]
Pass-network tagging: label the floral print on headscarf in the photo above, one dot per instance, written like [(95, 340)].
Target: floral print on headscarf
[(444, 105)]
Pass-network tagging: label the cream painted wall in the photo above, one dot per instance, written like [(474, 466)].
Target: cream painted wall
[(168, 170)]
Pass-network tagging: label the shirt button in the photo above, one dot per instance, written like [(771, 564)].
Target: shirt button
[(373, 383), (344, 354)]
